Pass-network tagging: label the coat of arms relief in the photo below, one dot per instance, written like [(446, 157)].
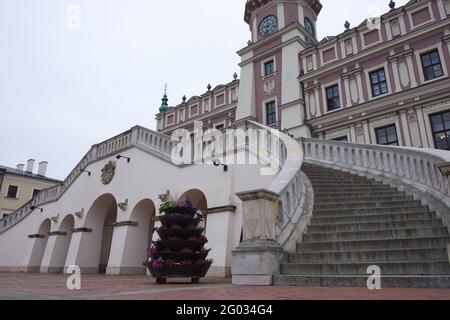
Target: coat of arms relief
[(108, 172)]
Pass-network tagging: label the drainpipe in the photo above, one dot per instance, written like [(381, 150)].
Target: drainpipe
[(2, 174), (305, 118)]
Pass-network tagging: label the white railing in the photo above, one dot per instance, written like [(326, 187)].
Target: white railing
[(153, 142), (289, 184), (416, 168)]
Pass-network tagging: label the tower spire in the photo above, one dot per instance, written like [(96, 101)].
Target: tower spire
[(164, 105)]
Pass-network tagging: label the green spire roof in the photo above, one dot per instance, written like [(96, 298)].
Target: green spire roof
[(164, 105)]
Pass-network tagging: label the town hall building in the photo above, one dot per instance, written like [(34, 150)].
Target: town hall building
[(356, 124)]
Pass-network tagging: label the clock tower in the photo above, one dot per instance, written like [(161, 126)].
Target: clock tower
[(270, 91)]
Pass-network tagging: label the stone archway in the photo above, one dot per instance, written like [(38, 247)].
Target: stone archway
[(95, 244), (138, 237), (40, 243), (198, 199), (62, 244)]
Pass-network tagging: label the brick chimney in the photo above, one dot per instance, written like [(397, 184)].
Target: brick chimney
[(20, 167), (42, 168)]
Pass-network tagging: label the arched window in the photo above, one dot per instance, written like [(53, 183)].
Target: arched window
[(309, 27)]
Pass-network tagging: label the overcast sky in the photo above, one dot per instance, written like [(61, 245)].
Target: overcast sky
[(63, 90)]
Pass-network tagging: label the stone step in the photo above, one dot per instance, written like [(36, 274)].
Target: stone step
[(377, 225), (375, 244), (342, 179), (365, 205), (346, 184), (375, 234), (367, 210), (365, 198), (374, 217), (337, 194), (419, 254), (352, 268), (350, 189), (407, 281)]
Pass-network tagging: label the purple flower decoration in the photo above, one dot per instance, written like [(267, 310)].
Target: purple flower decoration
[(151, 251), (158, 263)]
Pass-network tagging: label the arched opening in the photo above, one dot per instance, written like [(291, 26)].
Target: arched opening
[(59, 256), (40, 242), (198, 200), (95, 244), (138, 238), (309, 26)]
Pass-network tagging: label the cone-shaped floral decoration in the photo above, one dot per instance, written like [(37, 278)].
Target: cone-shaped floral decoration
[(180, 251)]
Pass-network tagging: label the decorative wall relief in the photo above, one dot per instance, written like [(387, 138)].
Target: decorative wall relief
[(414, 130), (269, 87), (354, 91), (108, 172), (404, 75), (312, 105)]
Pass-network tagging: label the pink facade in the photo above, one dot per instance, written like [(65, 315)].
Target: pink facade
[(367, 78)]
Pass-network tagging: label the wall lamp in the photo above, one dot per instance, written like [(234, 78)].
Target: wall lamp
[(34, 208), (120, 156), (217, 163), (88, 172)]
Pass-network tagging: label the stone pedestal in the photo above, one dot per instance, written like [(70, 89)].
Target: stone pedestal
[(255, 262), (258, 257)]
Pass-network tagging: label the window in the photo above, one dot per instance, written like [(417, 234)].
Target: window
[(269, 68), (271, 113), (440, 125), (35, 192), (309, 63), (333, 100), (431, 64), (378, 82), (395, 27), (341, 139), (12, 192), (309, 27), (349, 46), (387, 136)]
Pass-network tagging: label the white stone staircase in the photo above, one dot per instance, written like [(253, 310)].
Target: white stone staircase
[(357, 223)]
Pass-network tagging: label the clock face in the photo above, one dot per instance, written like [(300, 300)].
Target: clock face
[(268, 25)]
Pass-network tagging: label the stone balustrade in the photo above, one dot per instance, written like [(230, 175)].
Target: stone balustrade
[(149, 140), (409, 169)]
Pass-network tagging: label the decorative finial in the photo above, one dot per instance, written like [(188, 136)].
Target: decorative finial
[(184, 98), (235, 76), (392, 5), (209, 87), (164, 105), (347, 25)]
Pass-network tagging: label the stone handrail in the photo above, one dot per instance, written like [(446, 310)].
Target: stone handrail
[(417, 169), (151, 141), (288, 186)]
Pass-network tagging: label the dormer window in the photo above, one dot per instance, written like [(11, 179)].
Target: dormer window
[(309, 26), (395, 27), (348, 47), (309, 63)]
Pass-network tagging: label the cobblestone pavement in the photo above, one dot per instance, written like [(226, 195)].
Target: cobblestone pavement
[(99, 287)]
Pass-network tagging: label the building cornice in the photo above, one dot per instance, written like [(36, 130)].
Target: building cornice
[(385, 46), (392, 103), (216, 112), (254, 5), (277, 34)]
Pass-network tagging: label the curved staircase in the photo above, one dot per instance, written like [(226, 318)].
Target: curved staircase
[(358, 222)]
